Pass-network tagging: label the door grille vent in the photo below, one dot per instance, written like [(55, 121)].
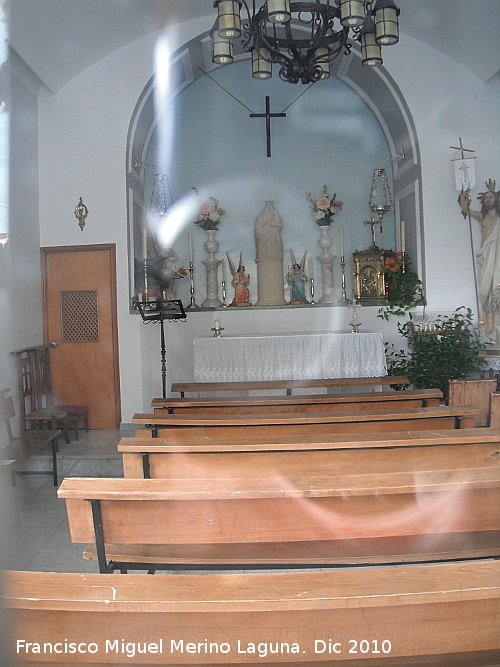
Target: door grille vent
[(79, 316)]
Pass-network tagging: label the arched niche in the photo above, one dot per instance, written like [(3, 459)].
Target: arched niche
[(374, 86)]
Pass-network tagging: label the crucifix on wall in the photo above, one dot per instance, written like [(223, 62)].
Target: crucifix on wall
[(268, 115)]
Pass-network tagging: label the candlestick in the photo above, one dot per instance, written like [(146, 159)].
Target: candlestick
[(224, 304), (144, 243), (342, 266), (217, 329), (312, 291), (190, 243), (311, 271), (403, 246), (341, 231), (146, 289), (192, 303)]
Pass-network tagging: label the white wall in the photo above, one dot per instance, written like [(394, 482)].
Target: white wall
[(447, 102), (20, 280), (83, 132)]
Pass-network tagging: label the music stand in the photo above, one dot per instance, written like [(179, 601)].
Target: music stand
[(158, 311)]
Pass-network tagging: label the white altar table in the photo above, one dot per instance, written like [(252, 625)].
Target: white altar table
[(289, 357)]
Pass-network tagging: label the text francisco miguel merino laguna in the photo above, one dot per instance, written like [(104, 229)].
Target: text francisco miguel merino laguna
[(179, 646)]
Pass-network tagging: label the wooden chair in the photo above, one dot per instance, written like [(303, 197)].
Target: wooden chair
[(473, 391), (77, 415), (20, 449), (35, 395)]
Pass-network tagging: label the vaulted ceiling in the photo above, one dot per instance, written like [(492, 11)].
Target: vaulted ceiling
[(58, 39)]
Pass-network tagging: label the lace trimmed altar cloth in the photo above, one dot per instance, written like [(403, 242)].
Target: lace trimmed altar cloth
[(289, 357)]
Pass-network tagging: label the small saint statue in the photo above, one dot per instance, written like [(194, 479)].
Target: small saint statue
[(354, 323), (165, 271), (297, 280), (240, 282)]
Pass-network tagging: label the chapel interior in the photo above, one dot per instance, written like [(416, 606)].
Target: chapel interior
[(117, 129)]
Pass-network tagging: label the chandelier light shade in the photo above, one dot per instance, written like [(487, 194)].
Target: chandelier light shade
[(229, 18), (261, 64), (323, 63), (352, 12), (371, 53), (303, 38), (386, 22), (222, 49), (278, 11)]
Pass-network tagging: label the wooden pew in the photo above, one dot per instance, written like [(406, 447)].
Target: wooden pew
[(411, 398), (473, 391), (413, 451), (441, 615), (439, 417), (289, 385), (287, 517)]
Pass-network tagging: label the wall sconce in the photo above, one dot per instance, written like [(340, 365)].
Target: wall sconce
[(81, 213)]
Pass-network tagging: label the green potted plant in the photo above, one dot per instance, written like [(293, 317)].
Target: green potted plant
[(448, 352), (403, 287)]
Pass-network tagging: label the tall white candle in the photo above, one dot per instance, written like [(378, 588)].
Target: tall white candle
[(311, 272), (223, 271), (403, 238), (190, 243), (144, 243), (341, 231)]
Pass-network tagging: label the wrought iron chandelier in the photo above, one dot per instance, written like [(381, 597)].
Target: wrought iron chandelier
[(303, 38)]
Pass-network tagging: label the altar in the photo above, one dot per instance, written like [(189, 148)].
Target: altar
[(289, 357)]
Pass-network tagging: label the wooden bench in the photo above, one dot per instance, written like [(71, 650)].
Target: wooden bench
[(274, 518), (20, 449), (288, 385), (411, 398), (473, 391), (441, 615), (438, 417), (415, 451)]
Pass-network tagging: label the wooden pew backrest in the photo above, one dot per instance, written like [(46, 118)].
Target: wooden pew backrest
[(344, 509), (473, 391), (439, 417), (288, 385), (369, 401), (441, 615)]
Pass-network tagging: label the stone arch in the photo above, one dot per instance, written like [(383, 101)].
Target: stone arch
[(374, 85)]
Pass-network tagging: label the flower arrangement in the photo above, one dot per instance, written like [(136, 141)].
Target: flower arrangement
[(210, 213), (403, 287), (325, 207)]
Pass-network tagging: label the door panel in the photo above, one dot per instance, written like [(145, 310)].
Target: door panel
[(79, 289)]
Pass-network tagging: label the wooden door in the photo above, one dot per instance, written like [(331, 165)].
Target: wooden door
[(79, 302)]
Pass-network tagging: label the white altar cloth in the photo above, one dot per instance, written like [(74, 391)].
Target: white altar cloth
[(289, 357)]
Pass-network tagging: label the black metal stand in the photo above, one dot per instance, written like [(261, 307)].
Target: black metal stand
[(159, 311)]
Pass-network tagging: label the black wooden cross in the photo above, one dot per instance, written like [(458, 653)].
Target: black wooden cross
[(268, 115)]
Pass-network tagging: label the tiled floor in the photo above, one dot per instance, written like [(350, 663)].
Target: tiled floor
[(34, 527)]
